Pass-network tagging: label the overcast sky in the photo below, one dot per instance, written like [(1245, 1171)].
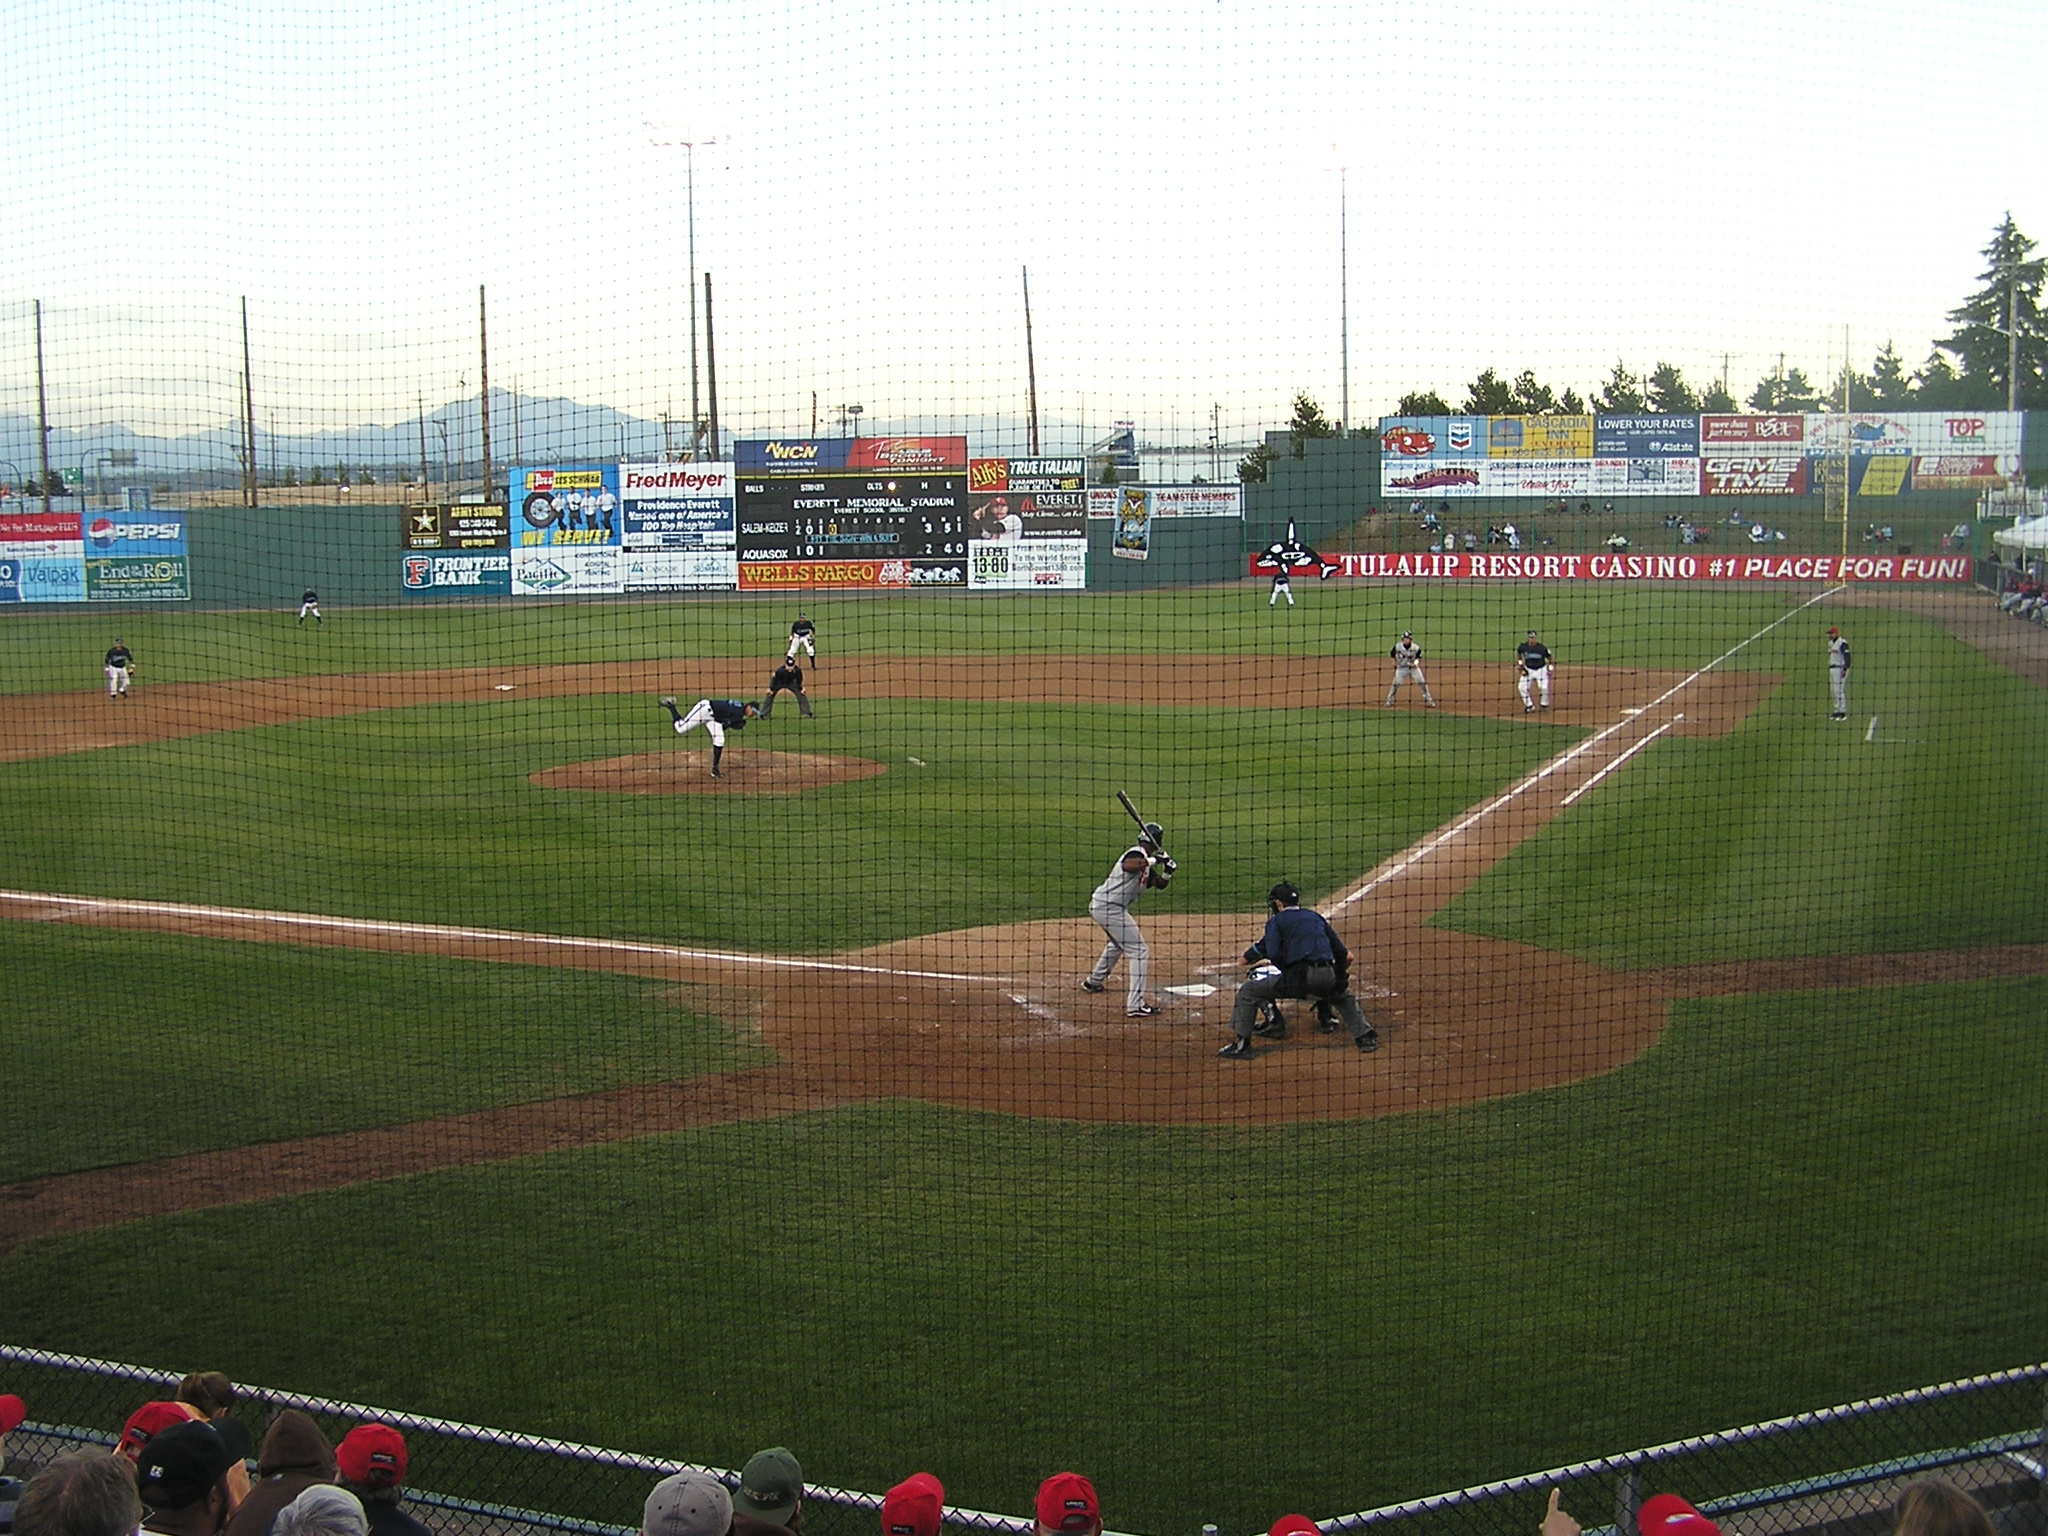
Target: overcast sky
[(1524, 186)]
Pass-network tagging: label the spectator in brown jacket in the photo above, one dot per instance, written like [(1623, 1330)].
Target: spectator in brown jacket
[(295, 1456)]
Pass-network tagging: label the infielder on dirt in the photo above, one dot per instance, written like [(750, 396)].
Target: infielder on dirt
[(1408, 668), (120, 662), (1838, 674), (309, 608), (1299, 955), (803, 635), (717, 716), (1143, 867), (1532, 661)]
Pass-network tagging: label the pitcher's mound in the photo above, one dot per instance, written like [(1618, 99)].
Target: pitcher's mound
[(689, 773)]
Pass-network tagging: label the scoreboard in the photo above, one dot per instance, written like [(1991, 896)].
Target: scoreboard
[(861, 516)]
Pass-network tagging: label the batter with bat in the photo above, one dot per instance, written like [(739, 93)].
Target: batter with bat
[(1144, 866)]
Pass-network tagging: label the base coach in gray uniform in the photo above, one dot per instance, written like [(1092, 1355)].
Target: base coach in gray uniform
[(1141, 868), (1300, 955)]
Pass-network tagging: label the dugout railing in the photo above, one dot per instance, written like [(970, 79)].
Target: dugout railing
[(1831, 1472)]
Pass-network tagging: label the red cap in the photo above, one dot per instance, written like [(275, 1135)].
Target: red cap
[(912, 1507), (1066, 1502), (12, 1411), (1668, 1515), (372, 1455), (1294, 1525), (146, 1423)]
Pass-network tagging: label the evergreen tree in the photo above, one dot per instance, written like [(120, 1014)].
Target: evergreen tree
[(1669, 394), (1717, 401), (1621, 395), (1789, 390), (2008, 301), (1489, 395), (1423, 403), (1890, 388)]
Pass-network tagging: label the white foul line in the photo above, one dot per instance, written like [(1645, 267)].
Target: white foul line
[(1423, 850), (1631, 752), (309, 920)]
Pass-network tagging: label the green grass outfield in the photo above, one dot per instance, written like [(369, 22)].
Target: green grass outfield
[(1789, 1201)]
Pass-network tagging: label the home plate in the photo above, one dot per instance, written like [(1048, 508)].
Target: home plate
[(506, 687), (1194, 989)]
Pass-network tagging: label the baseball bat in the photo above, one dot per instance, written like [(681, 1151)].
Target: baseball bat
[(1125, 801)]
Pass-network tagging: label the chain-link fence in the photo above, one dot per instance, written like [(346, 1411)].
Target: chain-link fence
[(1835, 1471)]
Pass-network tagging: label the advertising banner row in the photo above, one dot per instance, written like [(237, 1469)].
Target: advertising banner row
[(1890, 454), (790, 513), (136, 556), (1658, 567)]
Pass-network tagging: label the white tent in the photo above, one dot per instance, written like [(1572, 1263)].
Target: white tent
[(2028, 534)]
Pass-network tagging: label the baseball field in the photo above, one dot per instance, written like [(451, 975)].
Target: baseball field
[(397, 1009)]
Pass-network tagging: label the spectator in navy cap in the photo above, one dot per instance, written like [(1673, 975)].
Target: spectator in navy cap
[(182, 1475)]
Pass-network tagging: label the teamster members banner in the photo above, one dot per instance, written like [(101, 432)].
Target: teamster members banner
[(852, 512)]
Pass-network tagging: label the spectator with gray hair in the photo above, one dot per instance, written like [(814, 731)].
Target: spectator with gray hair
[(322, 1510), (89, 1493)]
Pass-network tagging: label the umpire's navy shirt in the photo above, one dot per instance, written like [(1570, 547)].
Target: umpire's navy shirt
[(1299, 936)]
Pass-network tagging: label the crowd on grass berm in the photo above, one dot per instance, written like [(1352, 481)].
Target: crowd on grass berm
[(181, 1468)]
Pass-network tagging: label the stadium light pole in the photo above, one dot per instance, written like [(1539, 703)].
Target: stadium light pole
[(669, 136), (1343, 281)]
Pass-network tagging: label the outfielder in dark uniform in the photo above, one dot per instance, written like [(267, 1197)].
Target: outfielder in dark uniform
[(1532, 664), (717, 716), (789, 676), (120, 662), (1299, 955)]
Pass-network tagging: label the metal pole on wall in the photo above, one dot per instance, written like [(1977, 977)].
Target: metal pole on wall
[(711, 367), (42, 408), (426, 486), (1030, 362), (248, 415), (483, 341), (1847, 435), (1344, 286)]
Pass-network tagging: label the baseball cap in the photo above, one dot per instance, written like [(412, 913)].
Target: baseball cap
[(12, 1411), (1832, 630), (372, 1455), (912, 1507), (1294, 1525), (147, 1422), (770, 1485), (180, 1464), (1407, 634), (1666, 1514), (1066, 1502), (687, 1504)]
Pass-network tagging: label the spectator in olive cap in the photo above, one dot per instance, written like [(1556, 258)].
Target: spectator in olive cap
[(771, 1492), (687, 1504)]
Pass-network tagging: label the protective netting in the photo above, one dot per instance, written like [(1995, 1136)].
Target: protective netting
[(579, 588)]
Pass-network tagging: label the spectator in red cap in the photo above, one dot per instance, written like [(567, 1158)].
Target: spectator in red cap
[(1294, 1525), (1666, 1514), (1067, 1506), (914, 1506), (1934, 1506), (146, 1423), (371, 1459), (12, 1411)]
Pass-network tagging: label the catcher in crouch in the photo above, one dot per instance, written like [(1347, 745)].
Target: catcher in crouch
[(1299, 955)]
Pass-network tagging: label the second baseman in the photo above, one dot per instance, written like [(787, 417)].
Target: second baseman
[(1532, 661)]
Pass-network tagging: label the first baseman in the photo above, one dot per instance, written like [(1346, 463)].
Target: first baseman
[(1142, 867), (1408, 668), (717, 716), (1532, 662), (120, 662), (803, 634), (1838, 674)]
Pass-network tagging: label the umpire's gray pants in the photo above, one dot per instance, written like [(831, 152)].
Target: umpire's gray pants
[(1244, 1013), (1124, 940)]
